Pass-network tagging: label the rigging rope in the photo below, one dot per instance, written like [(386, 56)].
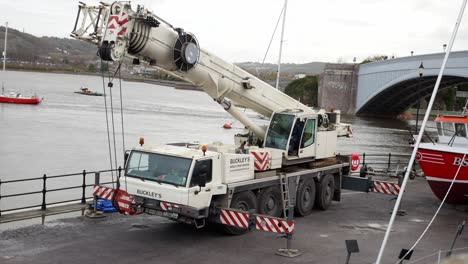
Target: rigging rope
[(438, 209), (107, 121), (418, 140), (110, 85), (122, 122), (273, 35)]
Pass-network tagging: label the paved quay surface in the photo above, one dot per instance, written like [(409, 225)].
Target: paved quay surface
[(320, 236)]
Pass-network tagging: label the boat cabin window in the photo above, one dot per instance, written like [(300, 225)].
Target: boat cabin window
[(279, 130), (308, 136), (158, 168), (448, 128), (460, 129)]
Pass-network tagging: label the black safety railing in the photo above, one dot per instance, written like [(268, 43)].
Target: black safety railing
[(43, 206), (385, 161)]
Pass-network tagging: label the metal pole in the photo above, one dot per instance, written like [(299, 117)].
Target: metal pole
[(0, 198), (44, 179), (289, 235), (438, 258), (95, 198), (363, 158), (457, 234), (281, 45), (5, 45), (83, 197), (348, 257), (389, 161), (421, 131), (419, 105)]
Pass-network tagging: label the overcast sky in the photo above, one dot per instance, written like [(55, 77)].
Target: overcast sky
[(331, 31)]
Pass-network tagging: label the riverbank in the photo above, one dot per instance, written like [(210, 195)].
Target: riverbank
[(128, 78)]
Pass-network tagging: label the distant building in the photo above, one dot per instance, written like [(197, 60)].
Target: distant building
[(299, 76)]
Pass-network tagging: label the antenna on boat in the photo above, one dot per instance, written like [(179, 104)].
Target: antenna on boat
[(281, 45), (418, 140), (4, 47)]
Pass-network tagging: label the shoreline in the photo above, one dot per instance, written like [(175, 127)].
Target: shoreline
[(171, 83)]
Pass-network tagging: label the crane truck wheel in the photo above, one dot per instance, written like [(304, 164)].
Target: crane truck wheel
[(305, 197), (244, 201), (270, 201), (325, 192)]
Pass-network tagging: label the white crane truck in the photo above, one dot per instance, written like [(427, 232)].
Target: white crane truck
[(264, 170)]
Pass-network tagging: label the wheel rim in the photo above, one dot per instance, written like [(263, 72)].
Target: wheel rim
[(270, 204), (241, 205), (328, 191), (306, 197)]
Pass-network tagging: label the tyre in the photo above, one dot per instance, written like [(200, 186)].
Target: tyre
[(270, 202), (305, 197), (325, 192), (244, 201)]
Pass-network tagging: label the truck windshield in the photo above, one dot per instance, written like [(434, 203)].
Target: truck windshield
[(279, 130), (159, 168)]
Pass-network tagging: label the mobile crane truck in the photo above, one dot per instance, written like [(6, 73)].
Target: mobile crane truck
[(188, 182)]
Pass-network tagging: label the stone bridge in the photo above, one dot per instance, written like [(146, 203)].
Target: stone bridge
[(389, 87)]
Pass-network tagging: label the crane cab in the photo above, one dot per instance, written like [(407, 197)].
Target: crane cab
[(301, 135)]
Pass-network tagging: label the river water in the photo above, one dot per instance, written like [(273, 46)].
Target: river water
[(67, 132)]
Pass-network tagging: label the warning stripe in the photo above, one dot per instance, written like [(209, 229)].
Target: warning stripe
[(274, 225), (124, 201), (261, 160), (103, 192), (234, 218), (168, 206), (386, 187)]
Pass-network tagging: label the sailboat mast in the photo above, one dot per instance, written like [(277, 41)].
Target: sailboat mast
[(281, 45), (4, 47)]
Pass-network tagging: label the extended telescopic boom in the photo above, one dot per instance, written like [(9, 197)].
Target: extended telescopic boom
[(120, 32)]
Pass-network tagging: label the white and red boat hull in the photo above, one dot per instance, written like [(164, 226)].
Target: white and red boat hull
[(440, 164), (19, 100)]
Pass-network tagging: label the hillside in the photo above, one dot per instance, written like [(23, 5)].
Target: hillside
[(26, 47), (26, 51)]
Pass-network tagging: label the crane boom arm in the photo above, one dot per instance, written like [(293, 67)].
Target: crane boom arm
[(119, 31)]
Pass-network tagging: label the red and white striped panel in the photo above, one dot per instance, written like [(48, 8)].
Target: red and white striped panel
[(168, 206), (124, 200), (118, 23), (103, 192), (234, 218), (261, 161), (274, 225), (386, 187)]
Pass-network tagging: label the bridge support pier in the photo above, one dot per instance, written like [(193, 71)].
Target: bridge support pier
[(338, 87)]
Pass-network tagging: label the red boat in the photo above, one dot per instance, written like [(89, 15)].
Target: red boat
[(441, 160), (14, 98)]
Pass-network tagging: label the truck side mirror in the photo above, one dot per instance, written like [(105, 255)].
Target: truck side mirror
[(126, 155)]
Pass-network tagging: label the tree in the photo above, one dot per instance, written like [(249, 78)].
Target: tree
[(92, 67), (374, 58), (304, 90)]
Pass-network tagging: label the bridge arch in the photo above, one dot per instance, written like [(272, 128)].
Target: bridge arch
[(390, 87)]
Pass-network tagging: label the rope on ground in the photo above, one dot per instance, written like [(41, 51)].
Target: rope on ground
[(435, 253)]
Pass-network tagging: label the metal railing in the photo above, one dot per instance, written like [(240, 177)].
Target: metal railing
[(385, 162), (43, 206)]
